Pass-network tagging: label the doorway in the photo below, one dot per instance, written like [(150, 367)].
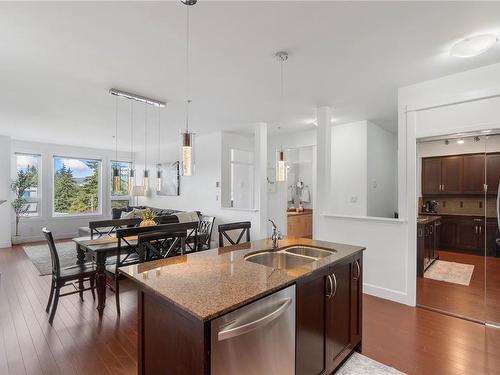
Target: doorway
[(458, 240)]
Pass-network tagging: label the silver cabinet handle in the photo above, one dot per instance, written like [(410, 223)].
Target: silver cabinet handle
[(480, 229), (358, 272), (475, 229), (248, 327), (330, 282), (335, 287)]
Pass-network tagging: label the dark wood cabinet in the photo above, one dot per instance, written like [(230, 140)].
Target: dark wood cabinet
[(431, 175), (473, 174), (451, 174), (468, 235), (461, 174), (448, 236), (311, 323), (492, 173), (427, 245), (492, 249), (329, 316)]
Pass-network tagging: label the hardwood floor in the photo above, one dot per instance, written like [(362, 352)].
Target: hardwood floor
[(415, 341), (470, 301)]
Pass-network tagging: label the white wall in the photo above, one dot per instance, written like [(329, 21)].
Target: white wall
[(382, 172), (5, 208), (30, 228), (199, 192), (348, 174)]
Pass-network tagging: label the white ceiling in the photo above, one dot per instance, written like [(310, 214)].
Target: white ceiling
[(58, 60)]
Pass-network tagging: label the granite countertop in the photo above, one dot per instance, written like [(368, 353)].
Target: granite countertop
[(449, 214), (210, 283), (424, 219)]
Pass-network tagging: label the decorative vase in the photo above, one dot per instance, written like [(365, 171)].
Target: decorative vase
[(147, 223)]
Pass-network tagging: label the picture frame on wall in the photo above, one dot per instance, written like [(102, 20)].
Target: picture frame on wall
[(170, 179)]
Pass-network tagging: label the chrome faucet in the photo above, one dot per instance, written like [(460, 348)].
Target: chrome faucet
[(276, 235)]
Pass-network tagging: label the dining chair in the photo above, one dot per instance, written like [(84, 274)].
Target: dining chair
[(65, 276), (205, 228), (161, 244), (131, 250), (101, 228), (242, 226)]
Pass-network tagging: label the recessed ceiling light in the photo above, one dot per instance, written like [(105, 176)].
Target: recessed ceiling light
[(486, 131), (460, 141), (474, 45)]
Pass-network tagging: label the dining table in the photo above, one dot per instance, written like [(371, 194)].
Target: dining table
[(99, 249)]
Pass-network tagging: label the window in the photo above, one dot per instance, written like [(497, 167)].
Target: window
[(242, 179), (28, 174), (76, 186), (120, 199)]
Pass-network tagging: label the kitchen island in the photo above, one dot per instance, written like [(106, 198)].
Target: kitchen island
[(188, 308)]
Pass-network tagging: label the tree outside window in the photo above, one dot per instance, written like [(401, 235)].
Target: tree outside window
[(76, 186), (28, 178), (120, 199)]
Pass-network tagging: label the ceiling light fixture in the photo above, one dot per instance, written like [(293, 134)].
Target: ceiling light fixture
[(282, 56), (145, 179), (460, 141), (158, 166), (187, 137), (474, 45), (116, 170), (131, 175), (137, 98)]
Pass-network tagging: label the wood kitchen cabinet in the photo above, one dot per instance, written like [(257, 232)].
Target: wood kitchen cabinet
[(451, 174), (473, 174), (461, 174), (329, 316), (492, 173), (299, 224), (431, 175), (428, 236)]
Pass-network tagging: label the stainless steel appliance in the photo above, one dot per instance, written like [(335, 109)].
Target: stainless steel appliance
[(256, 339)]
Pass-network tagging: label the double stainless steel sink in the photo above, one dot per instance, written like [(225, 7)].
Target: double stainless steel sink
[(289, 257)]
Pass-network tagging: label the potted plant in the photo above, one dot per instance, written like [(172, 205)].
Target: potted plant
[(24, 181), (148, 219)]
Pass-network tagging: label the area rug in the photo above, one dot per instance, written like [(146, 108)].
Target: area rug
[(450, 272), (358, 364), (40, 256)]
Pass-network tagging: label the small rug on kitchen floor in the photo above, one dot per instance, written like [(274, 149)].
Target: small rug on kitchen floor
[(358, 364), (40, 256), (450, 272)]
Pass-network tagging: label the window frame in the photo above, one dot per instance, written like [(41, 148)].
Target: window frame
[(100, 180), (250, 164), (38, 200)]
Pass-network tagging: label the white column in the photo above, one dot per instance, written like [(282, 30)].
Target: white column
[(323, 148), (5, 177), (260, 162)]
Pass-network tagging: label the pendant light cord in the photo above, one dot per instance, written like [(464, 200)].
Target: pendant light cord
[(188, 101), (116, 133), (159, 135), (132, 156), (145, 137)]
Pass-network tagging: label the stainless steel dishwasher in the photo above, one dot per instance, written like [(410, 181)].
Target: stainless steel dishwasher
[(256, 339)]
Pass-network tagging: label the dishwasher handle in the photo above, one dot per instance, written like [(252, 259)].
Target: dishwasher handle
[(247, 327)]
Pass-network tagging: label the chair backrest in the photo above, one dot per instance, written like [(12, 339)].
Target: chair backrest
[(107, 227), (205, 228), (161, 244), (243, 226), (54, 256), (135, 231)]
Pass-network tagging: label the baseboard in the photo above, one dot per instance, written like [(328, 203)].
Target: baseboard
[(390, 294), (57, 236), (5, 244)]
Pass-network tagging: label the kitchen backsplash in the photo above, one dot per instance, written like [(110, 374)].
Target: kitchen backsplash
[(462, 206)]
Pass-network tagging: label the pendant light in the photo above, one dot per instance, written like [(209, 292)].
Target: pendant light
[(131, 176), (187, 137), (281, 169), (145, 179), (158, 166), (116, 171)]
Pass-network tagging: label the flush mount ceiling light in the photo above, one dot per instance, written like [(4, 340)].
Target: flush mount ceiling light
[(474, 45), (460, 141)]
